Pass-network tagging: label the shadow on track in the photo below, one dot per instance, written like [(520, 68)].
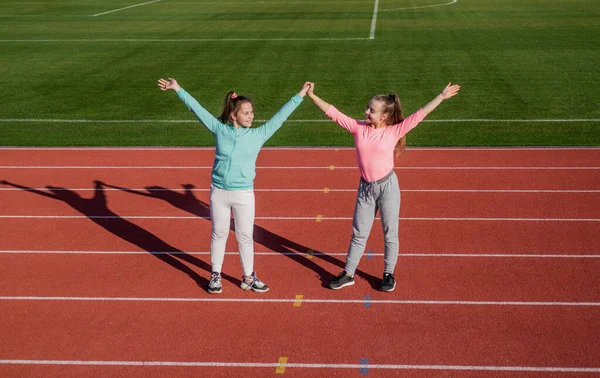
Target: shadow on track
[(96, 209), (186, 201)]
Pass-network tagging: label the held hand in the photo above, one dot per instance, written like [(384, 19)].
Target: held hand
[(304, 89), (168, 84), (311, 88), (450, 91)]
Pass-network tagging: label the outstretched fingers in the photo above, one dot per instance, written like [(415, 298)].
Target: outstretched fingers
[(450, 90), (162, 84), (166, 84)]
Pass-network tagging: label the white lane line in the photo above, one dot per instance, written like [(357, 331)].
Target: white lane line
[(420, 7), (374, 20), (288, 300), (179, 40), (331, 167), (322, 191), (306, 365), (37, 120), (518, 149), (195, 217), (120, 9), (207, 253)]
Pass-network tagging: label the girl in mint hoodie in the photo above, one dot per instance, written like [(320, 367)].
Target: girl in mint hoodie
[(236, 148)]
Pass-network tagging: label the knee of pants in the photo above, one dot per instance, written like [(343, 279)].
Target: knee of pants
[(360, 235), (220, 234), (244, 238), (391, 237), (358, 240)]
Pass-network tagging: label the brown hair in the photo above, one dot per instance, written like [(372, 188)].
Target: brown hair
[(232, 104), (393, 109)]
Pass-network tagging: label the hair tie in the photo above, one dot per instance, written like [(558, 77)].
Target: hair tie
[(233, 95)]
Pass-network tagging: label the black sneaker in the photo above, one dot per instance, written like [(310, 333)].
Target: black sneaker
[(388, 283), (214, 285), (343, 279)]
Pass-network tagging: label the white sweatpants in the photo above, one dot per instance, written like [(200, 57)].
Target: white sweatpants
[(222, 203)]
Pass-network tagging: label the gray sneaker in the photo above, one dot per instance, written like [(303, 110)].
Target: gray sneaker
[(343, 279), (251, 282), (214, 285)]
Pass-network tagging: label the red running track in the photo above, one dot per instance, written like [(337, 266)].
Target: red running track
[(498, 272)]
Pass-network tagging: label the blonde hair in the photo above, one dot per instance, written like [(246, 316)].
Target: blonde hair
[(393, 108)]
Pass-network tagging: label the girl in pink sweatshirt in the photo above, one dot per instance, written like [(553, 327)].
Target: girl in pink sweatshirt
[(377, 138)]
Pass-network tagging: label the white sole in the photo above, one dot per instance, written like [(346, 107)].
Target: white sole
[(344, 285)]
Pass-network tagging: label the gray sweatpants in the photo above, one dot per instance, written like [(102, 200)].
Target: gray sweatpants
[(382, 195)]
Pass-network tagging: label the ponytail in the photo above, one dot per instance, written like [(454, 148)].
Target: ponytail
[(393, 109), (232, 104)]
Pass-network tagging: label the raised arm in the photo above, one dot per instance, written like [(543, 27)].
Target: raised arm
[(202, 114), (321, 104), (449, 91), (332, 112), (268, 129)]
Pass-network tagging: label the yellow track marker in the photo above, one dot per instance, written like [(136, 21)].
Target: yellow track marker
[(331, 167), (309, 254), (326, 190), (319, 218), (298, 301), (281, 369)]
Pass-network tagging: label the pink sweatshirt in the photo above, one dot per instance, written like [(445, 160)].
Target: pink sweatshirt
[(375, 147)]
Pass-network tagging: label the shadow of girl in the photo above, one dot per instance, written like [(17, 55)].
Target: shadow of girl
[(97, 211), (186, 201)]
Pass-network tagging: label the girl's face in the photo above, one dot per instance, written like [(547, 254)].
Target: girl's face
[(244, 116), (374, 113)]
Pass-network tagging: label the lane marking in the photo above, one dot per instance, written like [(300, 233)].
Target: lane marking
[(364, 370), (326, 190), (288, 300), (319, 218), (281, 365), (298, 301), (374, 20), (310, 254), (331, 168), (367, 301), (552, 149), (326, 120), (420, 7), (120, 9), (154, 40), (307, 365)]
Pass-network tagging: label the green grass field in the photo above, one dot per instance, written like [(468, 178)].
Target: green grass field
[(83, 73)]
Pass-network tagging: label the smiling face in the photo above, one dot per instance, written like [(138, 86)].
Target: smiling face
[(374, 115), (244, 116)]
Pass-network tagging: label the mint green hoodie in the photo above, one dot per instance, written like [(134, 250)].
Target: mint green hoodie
[(237, 149)]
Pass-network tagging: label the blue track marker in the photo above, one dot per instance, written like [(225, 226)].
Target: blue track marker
[(368, 301), (364, 370)]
